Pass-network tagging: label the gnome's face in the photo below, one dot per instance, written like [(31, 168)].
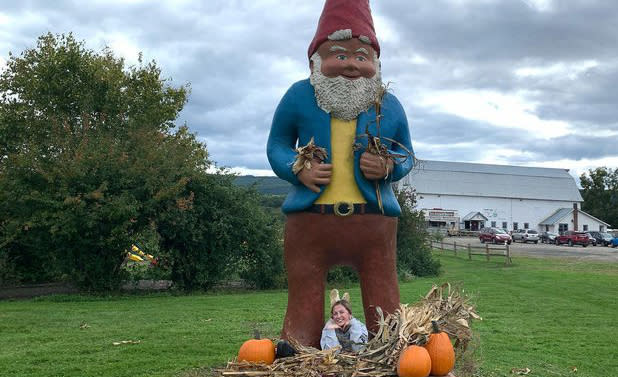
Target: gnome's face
[(346, 77), (349, 58)]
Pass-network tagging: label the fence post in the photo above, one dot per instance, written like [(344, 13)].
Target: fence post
[(442, 245), (469, 252), (487, 251), (508, 254), (455, 247)]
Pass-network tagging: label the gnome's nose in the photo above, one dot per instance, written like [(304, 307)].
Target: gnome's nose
[(351, 69)]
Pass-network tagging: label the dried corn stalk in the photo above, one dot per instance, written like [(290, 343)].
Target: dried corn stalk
[(375, 145), (307, 154), (410, 324)]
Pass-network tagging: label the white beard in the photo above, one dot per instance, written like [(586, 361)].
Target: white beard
[(343, 98)]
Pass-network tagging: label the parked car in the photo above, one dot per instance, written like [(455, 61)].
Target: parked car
[(548, 237), (614, 242), (602, 238), (572, 237), (495, 235), (525, 235), (591, 240)]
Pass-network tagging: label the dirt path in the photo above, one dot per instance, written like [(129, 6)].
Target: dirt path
[(34, 290)]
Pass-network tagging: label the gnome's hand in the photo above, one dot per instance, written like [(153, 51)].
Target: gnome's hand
[(375, 167), (319, 174)]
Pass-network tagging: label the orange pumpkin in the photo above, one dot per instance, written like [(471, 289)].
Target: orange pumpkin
[(257, 350), (414, 361), (440, 351)]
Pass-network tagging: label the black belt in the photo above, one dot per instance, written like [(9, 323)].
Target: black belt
[(343, 209)]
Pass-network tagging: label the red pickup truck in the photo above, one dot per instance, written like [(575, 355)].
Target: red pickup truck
[(571, 238)]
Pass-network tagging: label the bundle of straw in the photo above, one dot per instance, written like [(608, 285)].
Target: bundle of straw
[(307, 154), (410, 324)]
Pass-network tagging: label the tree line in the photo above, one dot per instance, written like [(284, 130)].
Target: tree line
[(600, 193)]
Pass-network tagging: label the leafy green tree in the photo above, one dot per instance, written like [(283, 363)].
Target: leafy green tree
[(600, 193), (220, 230), (413, 253), (88, 156), (91, 160)]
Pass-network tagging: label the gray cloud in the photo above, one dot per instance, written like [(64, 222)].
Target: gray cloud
[(240, 57), (576, 147), (443, 128), (505, 30)]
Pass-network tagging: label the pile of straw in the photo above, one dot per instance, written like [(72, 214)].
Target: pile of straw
[(410, 324)]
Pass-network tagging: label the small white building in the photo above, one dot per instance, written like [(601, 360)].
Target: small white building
[(469, 196)]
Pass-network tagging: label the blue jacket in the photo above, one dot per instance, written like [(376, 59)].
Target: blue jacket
[(298, 118)]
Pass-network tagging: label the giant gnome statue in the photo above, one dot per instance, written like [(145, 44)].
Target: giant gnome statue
[(340, 140)]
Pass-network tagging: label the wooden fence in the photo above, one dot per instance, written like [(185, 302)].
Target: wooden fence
[(498, 250)]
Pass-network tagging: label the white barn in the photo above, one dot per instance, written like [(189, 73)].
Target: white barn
[(469, 196)]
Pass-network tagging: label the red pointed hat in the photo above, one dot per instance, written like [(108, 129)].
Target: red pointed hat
[(341, 15)]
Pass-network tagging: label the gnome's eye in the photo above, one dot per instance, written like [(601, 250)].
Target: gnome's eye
[(341, 57), (361, 58)]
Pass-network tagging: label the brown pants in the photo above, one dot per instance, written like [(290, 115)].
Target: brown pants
[(314, 243)]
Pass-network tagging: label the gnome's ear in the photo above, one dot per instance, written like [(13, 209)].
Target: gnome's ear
[(334, 297), (311, 66), (346, 297)]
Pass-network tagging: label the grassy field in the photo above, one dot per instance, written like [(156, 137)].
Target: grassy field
[(544, 314)]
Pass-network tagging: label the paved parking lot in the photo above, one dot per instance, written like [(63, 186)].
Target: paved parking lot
[(591, 253)]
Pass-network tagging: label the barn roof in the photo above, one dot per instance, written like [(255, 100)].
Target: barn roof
[(556, 216), (561, 213), (474, 214), (498, 181)]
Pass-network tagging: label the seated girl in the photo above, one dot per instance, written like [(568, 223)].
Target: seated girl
[(343, 330)]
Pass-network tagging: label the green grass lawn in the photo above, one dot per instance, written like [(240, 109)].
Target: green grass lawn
[(544, 314)]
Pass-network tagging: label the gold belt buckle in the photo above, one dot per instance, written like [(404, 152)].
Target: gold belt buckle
[(348, 212)]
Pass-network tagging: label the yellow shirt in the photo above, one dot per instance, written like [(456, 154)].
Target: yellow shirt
[(342, 186)]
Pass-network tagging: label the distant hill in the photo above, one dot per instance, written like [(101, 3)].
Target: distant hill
[(265, 185)]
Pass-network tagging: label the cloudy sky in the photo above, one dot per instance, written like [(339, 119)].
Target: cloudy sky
[(517, 82)]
